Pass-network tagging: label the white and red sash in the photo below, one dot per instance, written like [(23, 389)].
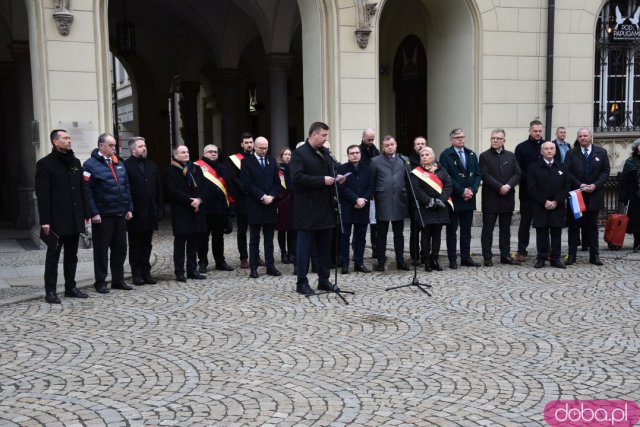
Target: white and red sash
[(431, 179), (282, 182), (236, 159), (211, 174)]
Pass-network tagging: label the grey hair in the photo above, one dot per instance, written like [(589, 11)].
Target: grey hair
[(498, 130), (132, 141), (103, 137), (455, 132)]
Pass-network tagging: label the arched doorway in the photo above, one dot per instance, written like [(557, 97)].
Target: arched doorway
[(410, 87)]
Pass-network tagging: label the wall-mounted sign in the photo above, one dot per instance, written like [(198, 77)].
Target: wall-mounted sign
[(627, 28)]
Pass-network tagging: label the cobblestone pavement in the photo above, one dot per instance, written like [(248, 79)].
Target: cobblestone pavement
[(491, 347)]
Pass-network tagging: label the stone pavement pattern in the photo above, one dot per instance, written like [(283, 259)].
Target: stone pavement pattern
[(491, 347)]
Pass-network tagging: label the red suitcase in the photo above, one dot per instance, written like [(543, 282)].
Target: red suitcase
[(615, 229)]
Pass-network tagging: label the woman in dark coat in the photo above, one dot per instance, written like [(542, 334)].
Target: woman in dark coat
[(286, 233), (184, 186), (432, 186), (630, 191)]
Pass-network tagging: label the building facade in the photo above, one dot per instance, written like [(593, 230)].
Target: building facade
[(199, 72)]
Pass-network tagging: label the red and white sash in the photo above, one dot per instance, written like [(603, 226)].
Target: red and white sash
[(431, 179), (211, 174)]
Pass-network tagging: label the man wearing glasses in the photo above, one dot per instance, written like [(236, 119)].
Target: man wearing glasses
[(354, 202), (462, 166)]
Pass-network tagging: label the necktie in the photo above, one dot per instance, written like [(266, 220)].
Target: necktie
[(585, 152), (462, 159), (262, 161)]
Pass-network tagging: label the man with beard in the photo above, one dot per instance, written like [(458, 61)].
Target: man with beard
[(216, 209), (148, 207), (63, 209)]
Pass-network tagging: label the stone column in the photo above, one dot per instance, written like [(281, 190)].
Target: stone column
[(228, 80), (189, 114), (277, 65)]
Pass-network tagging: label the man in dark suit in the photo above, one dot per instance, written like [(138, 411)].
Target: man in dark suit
[(259, 176), (500, 174), (63, 210), (148, 207), (368, 151), (354, 205), (110, 205), (462, 166), (548, 185), (417, 255), (588, 167), (313, 203)]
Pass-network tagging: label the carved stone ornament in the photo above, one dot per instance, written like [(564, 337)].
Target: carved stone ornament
[(364, 11), (63, 16)]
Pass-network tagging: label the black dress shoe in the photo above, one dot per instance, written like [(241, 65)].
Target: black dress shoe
[(595, 261), (137, 280), (361, 269), (305, 290), (453, 265), (571, 259), (487, 263), (253, 274), (469, 263), (195, 275), (344, 270), (328, 287), (75, 293), (202, 268), (539, 263), (509, 261), (285, 259), (150, 280), (272, 271), (102, 289), (122, 286), (379, 267), (428, 268), (180, 277), (435, 266), (402, 266), (52, 298), (223, 266), (557, 263)]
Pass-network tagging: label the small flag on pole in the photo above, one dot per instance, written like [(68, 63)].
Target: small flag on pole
[(577, 203)]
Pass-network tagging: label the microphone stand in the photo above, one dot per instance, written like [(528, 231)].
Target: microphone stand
[(415, 281), (339, 292)]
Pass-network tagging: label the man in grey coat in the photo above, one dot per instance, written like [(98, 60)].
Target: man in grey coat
[(500, 174), (388, 170)]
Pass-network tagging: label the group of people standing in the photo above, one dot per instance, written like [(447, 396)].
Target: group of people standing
[(299, 193)]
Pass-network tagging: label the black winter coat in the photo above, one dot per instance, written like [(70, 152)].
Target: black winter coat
[(368, 152), (62, 201), (238, 192), (630, 192), (259, 181), (600, 170), (528, 153), (548, 183), (425, 193), (184, 220), (313, 201), (358, 185), (215, 202), (498, 169), (145, 186)]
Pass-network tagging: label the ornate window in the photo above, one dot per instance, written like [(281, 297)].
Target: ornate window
[(617, 68)]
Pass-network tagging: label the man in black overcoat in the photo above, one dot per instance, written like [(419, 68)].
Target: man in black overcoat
[(312, 177), (63, 210), (259, 176), (145, 186), (588, 167), (368, 151), (417, 254), (548, 184), (500, 174)]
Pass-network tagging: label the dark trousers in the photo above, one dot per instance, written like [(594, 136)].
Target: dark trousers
[(504, 234), (415, 228), (254, 244), (359, 240), (241, 235), (542, 242), (589, 221), (140, 252), (524, 229), (287, 242), (373, 236), (69, 263), (190, 244), (320, 240), (431, 238), (215, 226), (110, 234), (463, 219), (398, 240)]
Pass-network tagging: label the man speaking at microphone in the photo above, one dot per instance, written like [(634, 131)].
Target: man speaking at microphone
[(312, 169)]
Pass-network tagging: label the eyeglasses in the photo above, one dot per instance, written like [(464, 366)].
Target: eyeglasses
[(458, 137), (211, 151)]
